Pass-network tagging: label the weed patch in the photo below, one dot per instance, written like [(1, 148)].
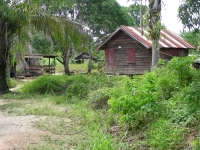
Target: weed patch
[(44, 108), (164, 135)]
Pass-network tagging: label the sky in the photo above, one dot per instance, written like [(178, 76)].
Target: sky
[(169, 14)]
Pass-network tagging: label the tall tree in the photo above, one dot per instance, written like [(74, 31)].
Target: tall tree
[(193, 37), (189, 14), (101, 17), (154, 28), (154, 25), (41, 44), (74, 41), (17, 16), (134, 11)]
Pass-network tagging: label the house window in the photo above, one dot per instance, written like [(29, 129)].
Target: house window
[(130, 55)]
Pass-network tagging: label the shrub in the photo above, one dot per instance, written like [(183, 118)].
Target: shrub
[(136, 101), (46, 85), (187, 109), (141, 100), (98, 99), (173, 76), (79, 86), (76, 86), (164, 135)]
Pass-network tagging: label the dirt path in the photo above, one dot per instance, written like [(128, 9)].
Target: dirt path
[(18, 132)]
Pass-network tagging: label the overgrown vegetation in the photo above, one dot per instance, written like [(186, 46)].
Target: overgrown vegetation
[(158, 110), (163, 104)]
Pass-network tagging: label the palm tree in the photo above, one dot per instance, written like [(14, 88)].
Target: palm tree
[(16, 17)]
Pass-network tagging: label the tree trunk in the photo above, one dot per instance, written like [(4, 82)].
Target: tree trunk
[(66, 65), (155, 27), (90, 60), (155, 53), (4, 48), (3, 82), (66, 56)]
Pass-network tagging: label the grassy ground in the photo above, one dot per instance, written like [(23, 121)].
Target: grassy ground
[(73, 126), (159, 110), (76, 68), (73, 121)]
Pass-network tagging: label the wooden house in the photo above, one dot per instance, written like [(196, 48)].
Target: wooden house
[(128, 51)]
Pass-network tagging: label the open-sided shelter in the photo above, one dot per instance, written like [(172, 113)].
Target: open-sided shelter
[(128, 51), (31, 65)]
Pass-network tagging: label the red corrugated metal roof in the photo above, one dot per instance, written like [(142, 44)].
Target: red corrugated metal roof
[(168, 39)]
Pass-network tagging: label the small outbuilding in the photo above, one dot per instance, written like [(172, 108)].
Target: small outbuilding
[(129, 52), (30, 65), (80, 58)]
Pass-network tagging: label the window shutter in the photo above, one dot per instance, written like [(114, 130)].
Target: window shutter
[(130, 55)]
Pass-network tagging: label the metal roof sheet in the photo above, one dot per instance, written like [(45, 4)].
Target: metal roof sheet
[(168, 39)]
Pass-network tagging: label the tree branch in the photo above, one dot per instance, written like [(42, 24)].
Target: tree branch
[(60, 61)]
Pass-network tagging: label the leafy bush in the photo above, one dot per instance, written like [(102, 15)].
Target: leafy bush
[(141, 100), (79, 86), (99, 99), (164, 135), (136, 101), (175, 75), (187, 110), (46, 85)]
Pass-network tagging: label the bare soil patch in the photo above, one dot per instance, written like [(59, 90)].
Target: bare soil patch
[(18, 132)]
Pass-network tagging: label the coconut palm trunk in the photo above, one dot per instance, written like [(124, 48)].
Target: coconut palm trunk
[(3, 82), (6, 31), (17, 17)]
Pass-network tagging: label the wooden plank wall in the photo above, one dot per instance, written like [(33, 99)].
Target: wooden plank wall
[(120, 43)]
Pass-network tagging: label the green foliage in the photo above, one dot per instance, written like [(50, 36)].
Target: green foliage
[(136, 101), (11, 83), (141, 100), (45, 85), (106, 15), (41, 45), (101, 142), (164, 135), (98, 99), (95, 124), (193, 37), (187, 109), (76, 86), (20, 19), (79, 86), (175, 75), (134, 11), (189, 14), (45, 108)]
